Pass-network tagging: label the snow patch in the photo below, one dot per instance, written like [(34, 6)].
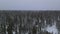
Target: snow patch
[(52, 29), (13, 32)]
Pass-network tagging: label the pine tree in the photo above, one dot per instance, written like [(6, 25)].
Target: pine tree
[(9, 20), (34, 30), (15, 21), (20, 26)]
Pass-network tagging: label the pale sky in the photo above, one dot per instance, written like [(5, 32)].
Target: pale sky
[(29, 4)]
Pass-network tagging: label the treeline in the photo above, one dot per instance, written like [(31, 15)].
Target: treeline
[(23, 22)]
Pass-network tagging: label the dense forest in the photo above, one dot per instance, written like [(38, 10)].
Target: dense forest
[(29, 22)]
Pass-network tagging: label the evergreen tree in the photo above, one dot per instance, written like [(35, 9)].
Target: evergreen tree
[(34, 30), (20, 26), (9, 29)]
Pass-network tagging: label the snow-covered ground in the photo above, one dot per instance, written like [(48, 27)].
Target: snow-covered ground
[(51, 29)]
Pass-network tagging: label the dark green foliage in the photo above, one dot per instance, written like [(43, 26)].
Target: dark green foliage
[(34, 30), (10, 24), (9, 29)]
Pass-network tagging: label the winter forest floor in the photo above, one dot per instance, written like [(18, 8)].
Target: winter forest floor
[(29, 22)]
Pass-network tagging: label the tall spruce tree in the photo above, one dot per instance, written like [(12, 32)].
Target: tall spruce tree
[(9, 20)]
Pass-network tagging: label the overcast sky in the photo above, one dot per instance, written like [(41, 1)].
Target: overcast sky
[(29, 4)]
